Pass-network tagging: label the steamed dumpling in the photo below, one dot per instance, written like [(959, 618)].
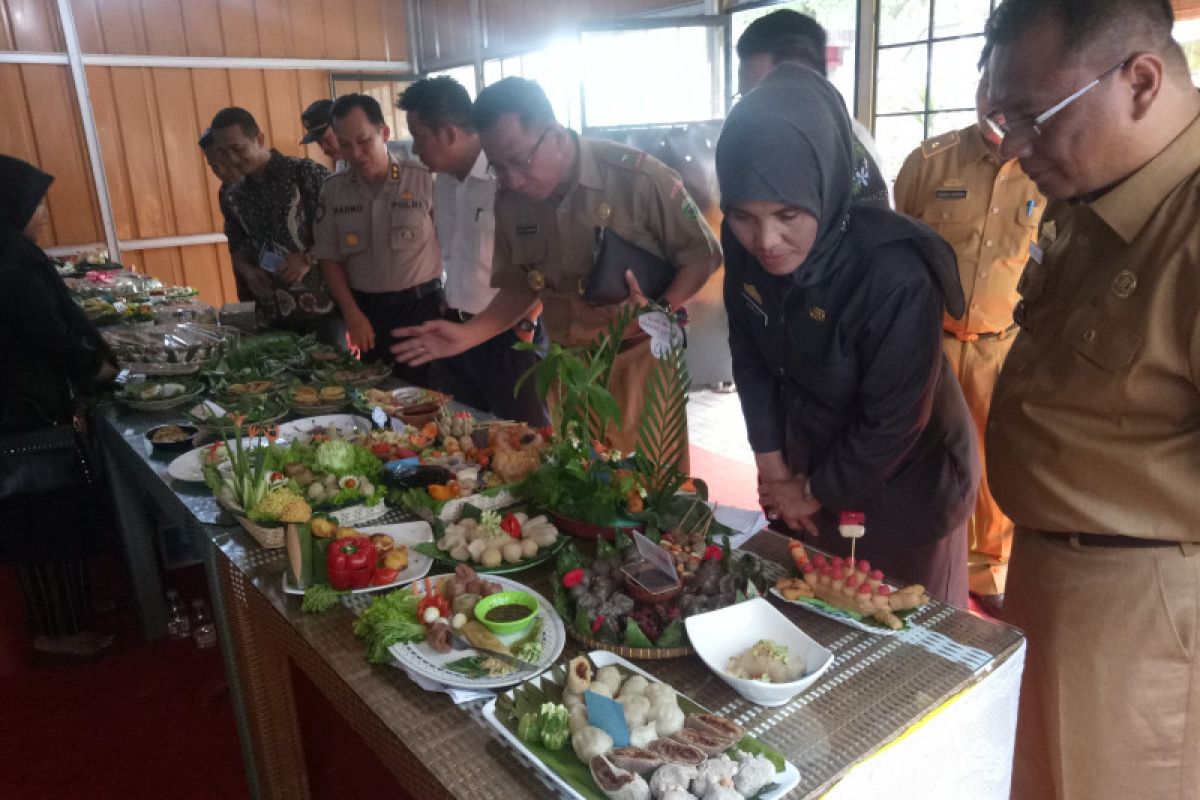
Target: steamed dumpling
[(591, 742), (579, 675), (658, 693), (577, 718), (671, 776), (609, 676), (637, 708), (636, 684), (753, 773), (667, 719), (642, 735)]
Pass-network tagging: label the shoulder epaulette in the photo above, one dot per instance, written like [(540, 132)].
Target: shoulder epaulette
[(939, 144)]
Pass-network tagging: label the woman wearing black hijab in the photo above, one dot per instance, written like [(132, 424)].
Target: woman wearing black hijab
[(50, 358), (835, 325)]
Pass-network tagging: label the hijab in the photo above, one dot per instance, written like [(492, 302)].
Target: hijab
[(789, 141), (24, 187)]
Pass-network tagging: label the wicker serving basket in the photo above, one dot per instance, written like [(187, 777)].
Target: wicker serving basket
[(640, 653), (270, 537)]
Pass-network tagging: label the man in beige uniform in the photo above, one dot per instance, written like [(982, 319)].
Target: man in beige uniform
[(557, 189), (375, 236), (1094, 436), (988, 210)]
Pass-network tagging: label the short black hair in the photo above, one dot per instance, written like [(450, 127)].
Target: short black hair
[(786, 35), (1119, 26), (207, 140), (440, 101), (513, 96), (348, 102), (234, 115)]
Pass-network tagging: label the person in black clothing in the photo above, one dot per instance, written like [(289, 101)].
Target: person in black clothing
[(835, 319), (789, 36), (269, 215), (51, 358)]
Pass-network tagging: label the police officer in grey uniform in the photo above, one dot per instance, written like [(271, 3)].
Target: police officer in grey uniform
[(375, 236)]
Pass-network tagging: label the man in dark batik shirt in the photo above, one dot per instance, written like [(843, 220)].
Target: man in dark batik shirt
[(268, 221)]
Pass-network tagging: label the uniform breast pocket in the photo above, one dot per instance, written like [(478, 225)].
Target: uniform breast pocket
[(352, 237), (949, 210), (1100, 339), (406, 227), (1029, 213), (529, 256)]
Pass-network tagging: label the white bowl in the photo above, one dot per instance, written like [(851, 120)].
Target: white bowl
[(720, 635)]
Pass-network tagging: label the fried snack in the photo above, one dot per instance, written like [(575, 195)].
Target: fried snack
[(345, 533), (333, 394), (383, 543), (396, 558), (793, 588), (323, 528)]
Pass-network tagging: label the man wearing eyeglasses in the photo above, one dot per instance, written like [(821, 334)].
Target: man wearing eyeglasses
[(375, 236), (1093, 441), (988, 210), (438, 113), (557, 189)]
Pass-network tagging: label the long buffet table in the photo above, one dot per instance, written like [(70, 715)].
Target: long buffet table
[(931, 711)]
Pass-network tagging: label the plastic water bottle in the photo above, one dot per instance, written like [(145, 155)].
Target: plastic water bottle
[(204, 631), (178, 626)]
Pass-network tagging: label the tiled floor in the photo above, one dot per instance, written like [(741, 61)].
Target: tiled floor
[(715, 423)]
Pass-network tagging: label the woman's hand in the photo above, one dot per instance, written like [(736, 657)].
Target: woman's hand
[(789, 501)]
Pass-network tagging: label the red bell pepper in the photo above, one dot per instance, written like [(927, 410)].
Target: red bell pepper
[(511, 525), (351, 562), (384, 576)]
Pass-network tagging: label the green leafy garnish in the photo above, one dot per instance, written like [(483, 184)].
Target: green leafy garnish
[(390, 619), (319, 598)]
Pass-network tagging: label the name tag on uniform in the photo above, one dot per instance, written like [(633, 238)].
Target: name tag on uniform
[(753, 300), (527, 230), (951, 194), (1035, 252)]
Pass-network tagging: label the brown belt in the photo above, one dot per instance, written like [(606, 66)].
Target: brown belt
[(1108, 540), (982, 337)]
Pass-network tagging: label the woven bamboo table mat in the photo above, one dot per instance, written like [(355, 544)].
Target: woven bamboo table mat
[(876, 689)]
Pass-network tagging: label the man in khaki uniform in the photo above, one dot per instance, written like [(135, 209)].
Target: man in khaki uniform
[(1094, 436), (557, 189), (375, 236), (988, 210)]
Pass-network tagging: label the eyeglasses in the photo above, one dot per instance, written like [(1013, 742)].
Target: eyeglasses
[(519, 165), (1025, 130)]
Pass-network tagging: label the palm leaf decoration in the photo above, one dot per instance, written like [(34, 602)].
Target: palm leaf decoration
[(662, 435)]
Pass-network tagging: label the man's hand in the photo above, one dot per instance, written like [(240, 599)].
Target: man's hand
[(430, 341), (295, 267), (787, 500), (358, 327), (636, 299)]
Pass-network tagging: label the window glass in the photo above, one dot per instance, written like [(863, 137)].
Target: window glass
[(901, 79), (903, 20), (959, 17), (896, 138), (652, 76), (953, 75), (464, 75)]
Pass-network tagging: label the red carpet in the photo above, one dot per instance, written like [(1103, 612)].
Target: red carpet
[(152, 720), (730, 482)]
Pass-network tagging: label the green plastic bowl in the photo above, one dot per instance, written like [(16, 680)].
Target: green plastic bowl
[(503, 599)]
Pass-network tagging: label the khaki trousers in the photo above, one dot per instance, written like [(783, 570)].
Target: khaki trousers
[(989, 532), (1110, 698)]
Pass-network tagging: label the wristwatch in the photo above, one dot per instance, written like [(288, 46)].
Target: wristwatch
[(526, 326)]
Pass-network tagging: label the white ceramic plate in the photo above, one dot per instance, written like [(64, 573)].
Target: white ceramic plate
[(728, 632), (408, 533), (348, 425), (187, 467), (841, 616), (784, 781), (421, 659)]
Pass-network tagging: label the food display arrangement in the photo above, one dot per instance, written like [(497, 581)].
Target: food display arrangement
[(110, 295), (624, 601), (168, 349), (599, 727), (849, 591), (158, 395)]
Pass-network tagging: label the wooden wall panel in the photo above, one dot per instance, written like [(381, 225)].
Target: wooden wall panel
[(41, 126), (204, 266), (369, 30), (30, 25)]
